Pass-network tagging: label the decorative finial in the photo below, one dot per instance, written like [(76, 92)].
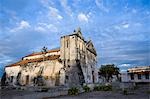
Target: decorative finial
[(79, 29), (44, 49)]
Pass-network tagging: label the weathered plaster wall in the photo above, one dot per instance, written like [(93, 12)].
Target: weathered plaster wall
[(48, 69), (11, 73)]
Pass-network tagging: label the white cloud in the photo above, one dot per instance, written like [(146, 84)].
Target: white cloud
[(117, 27), (40, 29), (55, 13), (123, 25), (123, 70), (83, 18), (64, 4), (100, 5), (125, 65), (4, 59), (52, 28), (126, 25), (22, 25), (45, 27)]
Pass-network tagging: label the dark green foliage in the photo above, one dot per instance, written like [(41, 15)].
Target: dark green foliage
[(148, 91), (86, 88), (135, 87), (107, 88), (44, 90), (125, 92), (108, 71), (103, 88), (97, 88), (73, 91)]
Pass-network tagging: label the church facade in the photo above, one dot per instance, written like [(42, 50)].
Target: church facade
[(74, 63)]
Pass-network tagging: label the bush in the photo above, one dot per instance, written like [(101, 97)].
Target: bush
[(98, 88), (135, 87), (86, 88), (73, 91), (148, 91), (103, 88), (44, 90), (125, 92), (107, 88)]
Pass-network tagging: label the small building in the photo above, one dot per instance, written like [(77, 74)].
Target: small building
[(137, 75), (74, 63)]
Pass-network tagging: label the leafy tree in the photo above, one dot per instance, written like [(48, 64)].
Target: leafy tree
[(107, 71)]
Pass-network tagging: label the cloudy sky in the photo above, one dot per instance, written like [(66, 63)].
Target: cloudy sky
[(119, 29)]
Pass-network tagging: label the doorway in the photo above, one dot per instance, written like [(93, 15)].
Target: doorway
[(27, 79)]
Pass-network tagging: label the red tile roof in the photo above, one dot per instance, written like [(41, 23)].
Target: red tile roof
[(23, 62), (39, 53)]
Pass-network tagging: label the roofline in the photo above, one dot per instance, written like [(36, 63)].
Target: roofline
[(33, 60), (40, 53)]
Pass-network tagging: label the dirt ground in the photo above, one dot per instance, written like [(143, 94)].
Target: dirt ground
[(140, 93), (105, 95)]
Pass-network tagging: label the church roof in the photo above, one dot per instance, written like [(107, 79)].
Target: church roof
[(23, 62), (39, 53), (90, 47)]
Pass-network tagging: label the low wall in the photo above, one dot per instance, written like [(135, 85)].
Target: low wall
[(129, 85)]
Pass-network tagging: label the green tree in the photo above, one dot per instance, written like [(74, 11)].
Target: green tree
[(107, 71)]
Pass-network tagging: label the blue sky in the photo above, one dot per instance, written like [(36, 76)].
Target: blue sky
[(119, 29)]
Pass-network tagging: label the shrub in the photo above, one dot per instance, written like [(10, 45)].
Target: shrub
[(44, 90), (97, 88), (148, 91), (107, 88), (125, 92), (73, 91), (103, 88), (135, 87), (86, 88)]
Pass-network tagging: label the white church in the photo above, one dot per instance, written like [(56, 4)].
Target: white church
[(74, 63)]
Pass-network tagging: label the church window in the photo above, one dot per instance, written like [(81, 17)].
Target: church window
[(68, 66), (11, 79), (67, 43), (67, 77)]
